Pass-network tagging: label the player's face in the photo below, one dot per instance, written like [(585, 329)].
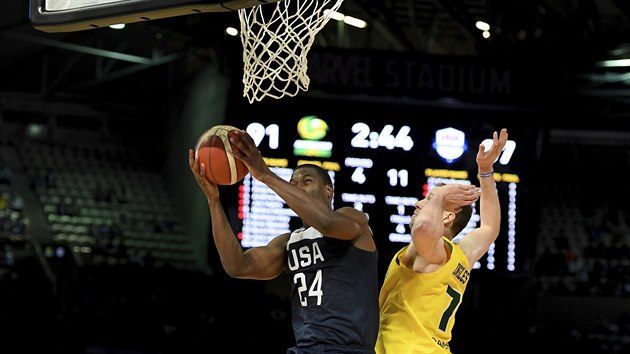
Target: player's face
[(309, 181), (419, 205)]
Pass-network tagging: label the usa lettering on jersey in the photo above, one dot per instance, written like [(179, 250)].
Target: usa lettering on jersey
[(305, 256)]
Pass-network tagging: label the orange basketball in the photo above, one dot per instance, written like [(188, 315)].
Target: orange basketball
[(215, 151)]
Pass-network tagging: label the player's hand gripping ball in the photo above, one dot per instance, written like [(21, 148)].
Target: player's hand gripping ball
[(213, 149)]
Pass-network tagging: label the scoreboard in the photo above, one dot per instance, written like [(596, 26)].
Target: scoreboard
[(381, 164)]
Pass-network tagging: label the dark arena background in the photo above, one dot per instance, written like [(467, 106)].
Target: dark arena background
[(105, 243)]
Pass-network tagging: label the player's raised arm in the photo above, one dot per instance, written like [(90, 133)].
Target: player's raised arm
[(478, 241), (263, 263)]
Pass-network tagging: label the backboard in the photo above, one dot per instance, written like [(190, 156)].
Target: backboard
[(79, 15)]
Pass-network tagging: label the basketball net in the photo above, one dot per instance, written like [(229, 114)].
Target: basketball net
[(276, 40)]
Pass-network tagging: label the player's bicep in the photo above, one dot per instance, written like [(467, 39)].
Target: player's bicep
[(266, 262), (476, 243)]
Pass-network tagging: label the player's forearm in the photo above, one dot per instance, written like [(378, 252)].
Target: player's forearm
[(428, 225), (490, 209), (312, 212), (228, 247)]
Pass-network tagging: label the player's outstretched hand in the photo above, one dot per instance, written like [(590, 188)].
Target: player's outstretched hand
[(486, 159), (244, 148)]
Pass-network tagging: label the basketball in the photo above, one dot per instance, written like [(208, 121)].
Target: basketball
[(214, 150)]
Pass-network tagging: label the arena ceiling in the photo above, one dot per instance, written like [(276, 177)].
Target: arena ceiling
[(156, 55)]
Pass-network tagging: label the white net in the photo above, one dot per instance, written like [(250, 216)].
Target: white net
[(276, 39)]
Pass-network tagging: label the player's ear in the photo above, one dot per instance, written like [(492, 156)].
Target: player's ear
[(448, 216), (329, 191)]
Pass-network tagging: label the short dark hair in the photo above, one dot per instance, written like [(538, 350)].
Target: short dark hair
[(319, 170), (461, 219)]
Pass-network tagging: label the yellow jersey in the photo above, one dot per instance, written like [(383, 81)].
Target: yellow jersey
[(417, 310)]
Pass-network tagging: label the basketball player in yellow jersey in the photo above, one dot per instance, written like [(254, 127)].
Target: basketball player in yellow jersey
[(426, 279)]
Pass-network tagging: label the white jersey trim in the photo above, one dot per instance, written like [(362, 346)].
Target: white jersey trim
[(304, 234)]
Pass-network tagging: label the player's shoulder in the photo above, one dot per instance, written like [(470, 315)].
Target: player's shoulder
[(352, 212)]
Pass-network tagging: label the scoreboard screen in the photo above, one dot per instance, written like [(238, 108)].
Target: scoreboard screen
[(382, 164)]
